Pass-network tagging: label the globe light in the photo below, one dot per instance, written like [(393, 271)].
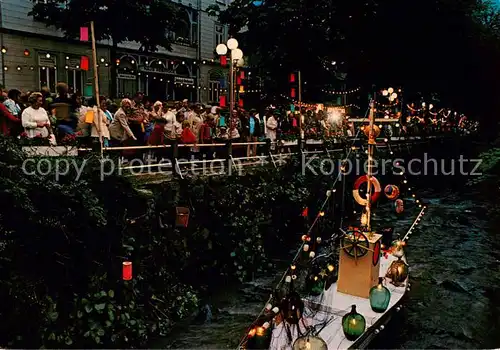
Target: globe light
[(236, 54), (221, 49), (390, 90), (385, 92), (241, 62), (394, 95), (232, 44), (423, 104)]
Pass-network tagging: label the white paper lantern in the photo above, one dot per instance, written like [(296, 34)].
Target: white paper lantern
[(221, 49)]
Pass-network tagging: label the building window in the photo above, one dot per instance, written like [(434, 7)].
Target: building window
[(75, 80), (214, 91), (219, 34)]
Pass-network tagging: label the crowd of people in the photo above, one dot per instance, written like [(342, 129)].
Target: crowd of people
[(139, 121)]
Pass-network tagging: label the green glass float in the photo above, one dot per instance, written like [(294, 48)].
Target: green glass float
[(353, 324), (380, 297), (315, 285), (309, 343)]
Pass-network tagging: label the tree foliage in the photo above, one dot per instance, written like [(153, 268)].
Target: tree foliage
[(116, 20), (442, 46), (144, 21)]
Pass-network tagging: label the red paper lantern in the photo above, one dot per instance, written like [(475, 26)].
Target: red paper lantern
[(84, 63), (240, 103), (292, 78), (182, 216), (238, 81), (292, 93), (223, 60), (222, 101), (242, 75), (305, 212), (127, 270)]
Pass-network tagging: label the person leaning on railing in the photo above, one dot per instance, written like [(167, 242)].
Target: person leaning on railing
[(119, 129)]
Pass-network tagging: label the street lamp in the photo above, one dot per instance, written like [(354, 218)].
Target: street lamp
[(235, 59), (390, 94)]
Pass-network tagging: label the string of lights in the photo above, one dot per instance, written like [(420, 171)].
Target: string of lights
[(347, 92)]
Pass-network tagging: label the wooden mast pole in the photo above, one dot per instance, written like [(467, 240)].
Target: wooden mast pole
[(96, 85), (300, 109)]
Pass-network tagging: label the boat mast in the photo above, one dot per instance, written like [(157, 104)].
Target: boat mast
[(371, 143)]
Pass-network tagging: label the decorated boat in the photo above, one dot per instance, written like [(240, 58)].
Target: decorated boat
[(342, 292)]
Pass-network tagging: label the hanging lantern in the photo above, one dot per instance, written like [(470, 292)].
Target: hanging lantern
[(182, 216), (238, 81), (380, 297), (292, 77), (397, 249), (391, 192), (292, 308), (84, 63), (315, 285), (310, 343), (353, 324), (305, 212), (223, 60), (292, 93), (222, 101), (26, 52), (398, 272), (259, 337), (375, 133), (127, 271), (399, 205), (242, 89), (240, 103), (242, 75)]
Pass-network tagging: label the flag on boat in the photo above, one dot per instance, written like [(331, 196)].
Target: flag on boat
[(84, 34)]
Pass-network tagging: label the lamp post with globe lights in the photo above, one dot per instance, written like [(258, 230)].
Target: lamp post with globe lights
[(390, 94), (236, 58)]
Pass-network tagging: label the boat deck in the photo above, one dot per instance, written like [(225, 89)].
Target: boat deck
[(325, 313)]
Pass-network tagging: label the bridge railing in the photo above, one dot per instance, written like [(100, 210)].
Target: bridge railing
[(231, 157)]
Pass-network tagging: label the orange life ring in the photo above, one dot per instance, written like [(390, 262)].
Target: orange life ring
[(391, 192), (374, 194)]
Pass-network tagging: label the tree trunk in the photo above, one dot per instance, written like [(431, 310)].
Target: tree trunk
[(112, 68)]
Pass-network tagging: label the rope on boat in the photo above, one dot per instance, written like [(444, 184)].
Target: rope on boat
[(415, 223)]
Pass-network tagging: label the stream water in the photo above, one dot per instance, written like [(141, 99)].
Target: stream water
[(454, 300)]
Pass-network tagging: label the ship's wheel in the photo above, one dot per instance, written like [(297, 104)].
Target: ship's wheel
[(355, 244)]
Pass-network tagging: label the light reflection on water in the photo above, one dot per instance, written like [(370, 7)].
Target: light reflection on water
[(455, 276)]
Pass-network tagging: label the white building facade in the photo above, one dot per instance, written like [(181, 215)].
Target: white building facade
[(34, 55)]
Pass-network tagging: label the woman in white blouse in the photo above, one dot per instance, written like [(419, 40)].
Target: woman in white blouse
[(35, 119)]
